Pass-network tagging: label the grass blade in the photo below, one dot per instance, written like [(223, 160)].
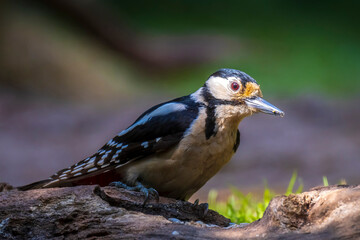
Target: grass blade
[(325, 181)]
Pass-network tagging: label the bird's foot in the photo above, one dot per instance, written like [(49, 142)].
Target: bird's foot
[(5, 187), (203, 207), (196, 203), (139, 188)]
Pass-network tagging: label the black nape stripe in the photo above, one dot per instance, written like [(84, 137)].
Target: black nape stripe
[(210, 123), (237, 141)]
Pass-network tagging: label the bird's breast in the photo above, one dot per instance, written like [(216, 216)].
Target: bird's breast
[(181, 171), (212, 153), (200, 158)]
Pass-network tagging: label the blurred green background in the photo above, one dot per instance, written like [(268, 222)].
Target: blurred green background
[(291, 47), (74, 73)]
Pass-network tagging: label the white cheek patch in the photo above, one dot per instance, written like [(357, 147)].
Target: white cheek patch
[(160, 111), (219, 82), (219, 88)]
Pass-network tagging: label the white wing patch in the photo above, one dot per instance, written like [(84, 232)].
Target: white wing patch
[(145, 144), (110, 155), (92, 169), (88, 164), (105, 165), (101, 151), (112, 143), (160, 111)]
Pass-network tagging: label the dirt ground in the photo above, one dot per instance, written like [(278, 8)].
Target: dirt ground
[(317, 137)]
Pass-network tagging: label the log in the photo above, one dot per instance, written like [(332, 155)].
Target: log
[(93, 212)]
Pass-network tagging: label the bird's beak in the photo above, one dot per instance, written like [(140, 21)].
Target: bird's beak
[(263, 106)]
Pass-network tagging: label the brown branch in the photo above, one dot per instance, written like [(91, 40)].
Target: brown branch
[(90, 212)]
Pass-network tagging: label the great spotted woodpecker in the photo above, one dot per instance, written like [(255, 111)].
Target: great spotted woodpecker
[(175, 147)]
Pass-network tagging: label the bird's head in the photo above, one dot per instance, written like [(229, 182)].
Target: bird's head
[(239, 92)]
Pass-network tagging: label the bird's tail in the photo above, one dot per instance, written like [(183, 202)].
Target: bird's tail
[(35, 185)]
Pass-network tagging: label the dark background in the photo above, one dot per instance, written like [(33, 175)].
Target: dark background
[(75, 73)]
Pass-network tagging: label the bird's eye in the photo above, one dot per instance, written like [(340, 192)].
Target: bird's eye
[(235, 86)]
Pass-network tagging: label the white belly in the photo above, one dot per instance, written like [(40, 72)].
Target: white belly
[(180, 172)]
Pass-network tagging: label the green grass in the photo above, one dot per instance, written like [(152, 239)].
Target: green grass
[(241, 208), (325, 181)]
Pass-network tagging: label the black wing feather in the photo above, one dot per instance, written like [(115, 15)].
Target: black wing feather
[(156, 135)]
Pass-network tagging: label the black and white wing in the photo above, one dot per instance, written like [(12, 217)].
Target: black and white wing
[(157, 130)]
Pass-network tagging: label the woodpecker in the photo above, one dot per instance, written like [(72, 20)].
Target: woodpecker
[(175, 147)]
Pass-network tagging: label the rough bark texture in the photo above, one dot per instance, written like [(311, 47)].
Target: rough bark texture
[(91, 212)]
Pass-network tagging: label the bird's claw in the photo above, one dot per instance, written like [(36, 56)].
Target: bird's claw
[(196, 203), (121, 185), (147, 192), (155, 193), (5, 187), (139, 188), (203, 207)]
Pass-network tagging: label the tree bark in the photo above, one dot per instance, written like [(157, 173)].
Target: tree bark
[(91, 212)]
